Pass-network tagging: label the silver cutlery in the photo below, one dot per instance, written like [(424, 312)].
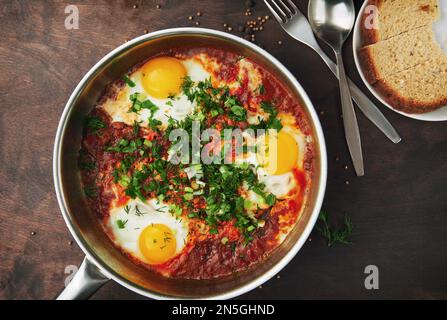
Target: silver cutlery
[(296, 25), (332, 22)]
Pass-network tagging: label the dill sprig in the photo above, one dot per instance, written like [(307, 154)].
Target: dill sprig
[(334, 236)]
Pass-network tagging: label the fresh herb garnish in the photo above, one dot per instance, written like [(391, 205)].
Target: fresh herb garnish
[(121, 223), (332, 235), (145, 171), (90, 191), (138, 212), (272, 122), (87, 165), (129, 82), (95, 124)]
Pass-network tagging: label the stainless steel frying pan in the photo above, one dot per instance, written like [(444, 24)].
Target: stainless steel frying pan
[(103, 261)]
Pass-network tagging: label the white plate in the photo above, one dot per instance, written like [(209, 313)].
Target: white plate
[(440, 29)]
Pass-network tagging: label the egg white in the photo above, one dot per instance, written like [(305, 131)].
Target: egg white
[(279, 185), (179, 107), (153, 211)]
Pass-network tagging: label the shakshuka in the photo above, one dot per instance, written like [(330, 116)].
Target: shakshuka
[(196, 220)]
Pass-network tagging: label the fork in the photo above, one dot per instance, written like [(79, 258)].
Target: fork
[(296, 25)]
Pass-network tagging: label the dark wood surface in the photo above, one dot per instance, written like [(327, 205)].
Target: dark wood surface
[(399, 209)]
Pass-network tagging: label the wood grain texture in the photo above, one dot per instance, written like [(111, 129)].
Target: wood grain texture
[(399, 209)]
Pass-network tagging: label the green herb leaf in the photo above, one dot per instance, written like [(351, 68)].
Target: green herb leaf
[(129, 82), (332, 235), (121, 223), (95, 124)]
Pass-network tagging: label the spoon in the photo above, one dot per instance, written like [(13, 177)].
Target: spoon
[(332, 22)]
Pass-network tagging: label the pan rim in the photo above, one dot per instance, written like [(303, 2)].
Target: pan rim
[(318, 132)]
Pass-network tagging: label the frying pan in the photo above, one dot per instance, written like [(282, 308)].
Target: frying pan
[(103, 262)]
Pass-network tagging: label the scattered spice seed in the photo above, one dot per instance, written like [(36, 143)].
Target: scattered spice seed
[(199, 13), (230, 29), (70, 243), (346, 167), (197, 23), (337, 158), (135, 6), (190, 17), (225, 25), (158, 6), (146, 31), (280, 42), (321, 112), (346, 182), (33, 233)]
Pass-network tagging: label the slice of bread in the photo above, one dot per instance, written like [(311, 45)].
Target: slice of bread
[(395, 17), (402, 60), (420, 89), (399, 53)]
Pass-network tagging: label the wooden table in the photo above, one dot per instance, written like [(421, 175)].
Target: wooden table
[(399, 209)]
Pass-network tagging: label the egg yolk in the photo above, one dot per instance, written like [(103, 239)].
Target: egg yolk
[(278, 154), (163, 77), (157, 243)]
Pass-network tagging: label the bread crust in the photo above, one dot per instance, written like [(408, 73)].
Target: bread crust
[(406, 105), (369, 36), (368, 66), (373, 77)]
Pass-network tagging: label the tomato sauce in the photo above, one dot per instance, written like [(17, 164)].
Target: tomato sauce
[(207, 256)]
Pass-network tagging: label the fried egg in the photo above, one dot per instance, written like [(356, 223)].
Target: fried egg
[(275, 159), (158, 80), (147, 231)]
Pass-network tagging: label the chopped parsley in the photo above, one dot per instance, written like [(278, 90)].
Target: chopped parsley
[(121, 223), (95, 124), (90, 191), (144, 171), (129, 82)]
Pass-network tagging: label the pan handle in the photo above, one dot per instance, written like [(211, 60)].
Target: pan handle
[(86, 281)]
